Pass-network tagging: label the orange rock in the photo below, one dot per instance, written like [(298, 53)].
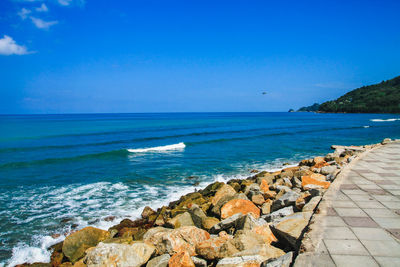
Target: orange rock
[(264, 186), (239, 205), (217, 247), (305, 180), (181, 259), (265, 232), (319, 162), (225, 190)]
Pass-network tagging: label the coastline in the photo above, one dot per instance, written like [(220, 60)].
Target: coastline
[(220, 213)]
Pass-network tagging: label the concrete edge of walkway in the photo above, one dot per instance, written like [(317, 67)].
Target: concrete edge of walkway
[(310, 247)]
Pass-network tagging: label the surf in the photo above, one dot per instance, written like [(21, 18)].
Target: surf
[(178, 146)]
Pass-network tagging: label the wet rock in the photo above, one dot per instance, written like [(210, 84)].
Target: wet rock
[(235, 221), (180, 220), (147, 212), (172, 241), (75, 245), (136, 233), (217, 247), (239, 206), (224, 190), (109, 218), (211, 189), (279, 214), (308, 180), (310, 206), (291, 227), (160, 261), (282, 261), (111, 254), (289, 198)]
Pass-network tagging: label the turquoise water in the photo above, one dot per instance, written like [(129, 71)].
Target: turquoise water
[(63, 171)]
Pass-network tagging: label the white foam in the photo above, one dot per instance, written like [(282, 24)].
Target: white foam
[(179, 146), (383, 120), (366, 126)]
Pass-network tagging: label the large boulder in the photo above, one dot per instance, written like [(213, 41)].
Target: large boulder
[(260, 227), (177, 240), (181, 259), (121, 255), (160, 261), (265, 250), (310, 206), (75, 245), (292, 227), (239, 206), (245, 261), (197, 214), (235, 221), (279, 214), (309, 180)]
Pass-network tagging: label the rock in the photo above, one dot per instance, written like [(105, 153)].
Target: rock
[(287, 182), (301, 201), (216, 209), (258, 199), (291, 227), (211, 189), (180, 220), (282, 261), (266, 207), (160, 261), (328, 169), (208, 222), (224, 190), (247, 239), (318, 161), (386, 141), (264, 186), (252, 189), (235, 221), (307, 180), (296, 182), (216, 247), (197, 215), (75, 245), (270, 195), (239, 206), (254, 171), (258, 226), (177, 240), (199, 262), (181, 259), (111, 254), (245, 261), (268, 177), (277, 215), (310, 206), (135, 232), (289, 198), (265, 250), (147, 212)]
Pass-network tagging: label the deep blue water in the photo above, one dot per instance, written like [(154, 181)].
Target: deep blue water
[(60, 170)]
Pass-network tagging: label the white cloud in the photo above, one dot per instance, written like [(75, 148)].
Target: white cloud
[(41, 24), (64, 2), (24, 13), (9, 47), (42, 8)]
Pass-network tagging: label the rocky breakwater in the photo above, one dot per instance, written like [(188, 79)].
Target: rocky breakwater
[(258, 221)]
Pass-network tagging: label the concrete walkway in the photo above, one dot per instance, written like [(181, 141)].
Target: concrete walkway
[(361, 218)]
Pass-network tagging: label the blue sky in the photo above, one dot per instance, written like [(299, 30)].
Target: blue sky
[(78, 56)]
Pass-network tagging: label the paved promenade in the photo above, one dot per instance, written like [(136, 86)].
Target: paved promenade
[(359, 222)]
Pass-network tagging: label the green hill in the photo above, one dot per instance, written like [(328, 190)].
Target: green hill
[(383, 97), (312, 108)]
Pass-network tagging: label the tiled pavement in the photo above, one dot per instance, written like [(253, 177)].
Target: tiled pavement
[(362, 222)]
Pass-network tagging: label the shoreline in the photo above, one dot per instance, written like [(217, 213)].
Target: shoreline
[(237, 208)]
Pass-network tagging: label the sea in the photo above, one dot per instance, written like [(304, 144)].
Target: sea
[(65, 172)]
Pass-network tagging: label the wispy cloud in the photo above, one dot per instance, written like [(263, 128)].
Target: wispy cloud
[(65, 2), (9, 47), (23, 13), (42, 8), (42, 24)]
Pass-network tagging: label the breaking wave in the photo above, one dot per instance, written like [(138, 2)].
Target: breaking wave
[(179, 146), (383, 120)]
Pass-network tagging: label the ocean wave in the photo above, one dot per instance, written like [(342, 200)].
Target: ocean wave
[(89, 204), (383, 120), (178, 146)]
